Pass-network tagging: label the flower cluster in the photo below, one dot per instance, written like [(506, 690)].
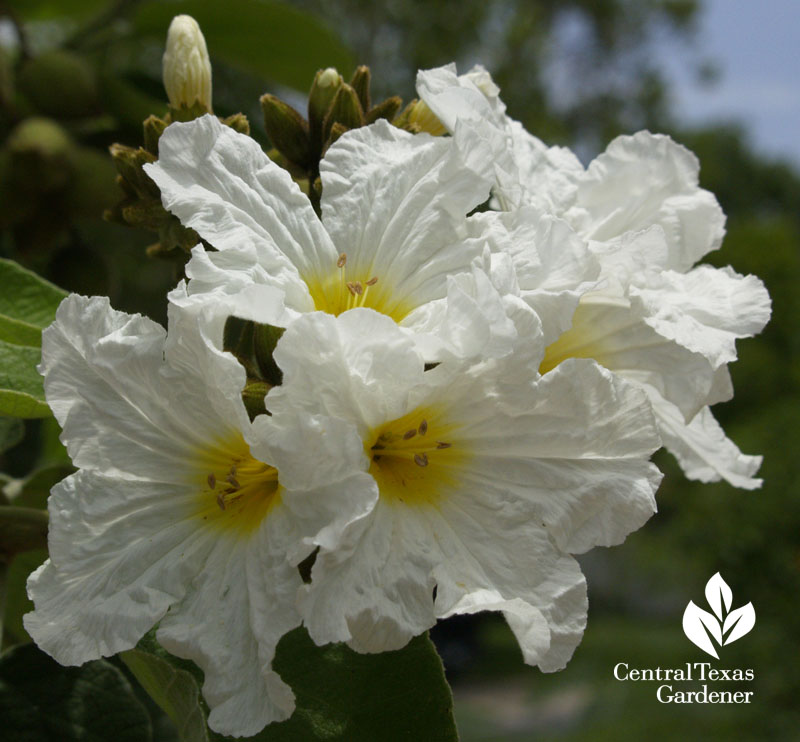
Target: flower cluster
[(468, 396)]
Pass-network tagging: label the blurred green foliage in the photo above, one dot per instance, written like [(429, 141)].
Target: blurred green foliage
[(81, 75)]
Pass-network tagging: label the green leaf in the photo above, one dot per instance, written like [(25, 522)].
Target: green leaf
[(21, 529), (21, 388), (41, 701), (46, 10), (260, 37), (12, 431), (175, 691), (342, 696), (28, 304)]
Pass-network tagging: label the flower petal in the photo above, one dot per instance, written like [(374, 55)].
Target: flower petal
[(615, 334), (701, 447), (230, 623), (648, 179), (221, 184), (392, 202), (704, 310), (123, 411), (121, 553)]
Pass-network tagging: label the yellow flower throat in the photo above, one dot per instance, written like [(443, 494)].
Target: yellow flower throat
[(341, 290), (413, 459), (236, 491)]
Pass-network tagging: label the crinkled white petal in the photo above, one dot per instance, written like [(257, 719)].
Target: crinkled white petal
[(552, 266), (376, 590), (122, 410), (701, 447), (704, 310), (561, 468), (357, 366), (526, 171), (230, 623), (648, 179), (121, 552), (474, 321), (627, 257), (615, 334), (577, 453), (230, 283), (392, 202), (545, 177), (221, 184), (321, 461)]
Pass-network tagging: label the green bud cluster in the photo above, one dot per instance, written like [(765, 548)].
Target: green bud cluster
[(140, 205), (334, 107)]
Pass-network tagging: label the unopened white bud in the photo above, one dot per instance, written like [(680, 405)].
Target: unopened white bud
[(187, 69), (328, 77)]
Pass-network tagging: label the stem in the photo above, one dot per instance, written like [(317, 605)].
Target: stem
[(3, 591)]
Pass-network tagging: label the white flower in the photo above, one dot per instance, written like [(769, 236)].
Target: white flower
[(186, 66), (489, 477), (178, 513), (651, 318), (392, 235)]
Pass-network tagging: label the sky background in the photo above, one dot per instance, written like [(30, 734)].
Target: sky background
[(756, 46)]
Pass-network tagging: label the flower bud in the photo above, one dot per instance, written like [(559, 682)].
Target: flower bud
[(326, 84), (187, 69)]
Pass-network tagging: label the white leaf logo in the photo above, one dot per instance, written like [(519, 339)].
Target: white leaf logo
[(739, 622), (701, 626), (717, 593)]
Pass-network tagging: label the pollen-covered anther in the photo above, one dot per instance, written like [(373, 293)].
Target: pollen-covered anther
[(340, 263), (442, 444), (409, 434), (421, 459), (423, 427), (355, 288), (212, 480), (372, 281)]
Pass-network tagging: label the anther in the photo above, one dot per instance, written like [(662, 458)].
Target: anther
[(212, 481), (353, 288), (372, 281), (442, 444), (220, 501), (342, 260), (230, 478), (423, 427), (409, 434), (421, 459)]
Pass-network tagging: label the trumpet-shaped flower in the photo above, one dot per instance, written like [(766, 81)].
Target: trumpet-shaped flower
[(651, 317), (178, 512), (488, 477), (392, 236)]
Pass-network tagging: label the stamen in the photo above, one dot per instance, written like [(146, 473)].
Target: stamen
[(342, 260), (351, 287), (442, 444), (212, 480), (423, 427), (409, 434), (421, 459), (372, 281), (230, 478)]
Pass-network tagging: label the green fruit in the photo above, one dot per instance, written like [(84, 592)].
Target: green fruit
[(60, 84)]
